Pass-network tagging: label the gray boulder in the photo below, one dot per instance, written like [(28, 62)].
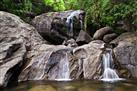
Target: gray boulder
[(126, 54), (90, 56), (16, 39), (56, 27), (109, 37), (99, 34)]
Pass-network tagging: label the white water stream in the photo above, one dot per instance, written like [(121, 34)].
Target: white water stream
[(69, 21), (64, 72), (109, 73)]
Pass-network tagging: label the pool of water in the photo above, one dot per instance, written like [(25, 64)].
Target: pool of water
[(85, 85)]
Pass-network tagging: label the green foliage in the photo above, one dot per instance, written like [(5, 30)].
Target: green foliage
[(26, 9), (58, 5), (16, 8), (98, 12), (108, 12), (71, 4)]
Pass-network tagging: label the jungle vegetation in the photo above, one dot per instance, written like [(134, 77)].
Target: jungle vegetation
[(98, 12)]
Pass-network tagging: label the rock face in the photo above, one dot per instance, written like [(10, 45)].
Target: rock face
[(47, 65), (126, 54), (56, 27), (90, 56), (16, 38), (53, 63)]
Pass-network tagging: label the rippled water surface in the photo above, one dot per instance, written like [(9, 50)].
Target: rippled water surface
[(88, 85)]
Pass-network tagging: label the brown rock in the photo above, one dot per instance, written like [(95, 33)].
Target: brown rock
[(126, 53), (83, 38), (90, 55), (99, 34), (109, 37), (53, 27), (16, 38)]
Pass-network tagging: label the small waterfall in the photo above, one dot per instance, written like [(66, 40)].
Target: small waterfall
[(109, 73), (69, 21), (64, 72)]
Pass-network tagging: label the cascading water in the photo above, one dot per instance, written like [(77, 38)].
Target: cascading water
[(69, 21), (64, 72), (109, 73)]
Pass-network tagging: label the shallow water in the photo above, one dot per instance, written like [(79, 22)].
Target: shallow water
[(88, 85)]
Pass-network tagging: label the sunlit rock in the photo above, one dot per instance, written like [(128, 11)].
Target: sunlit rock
[(90, 57), (16, 39)]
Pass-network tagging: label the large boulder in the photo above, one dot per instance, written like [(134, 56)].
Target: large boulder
[(56, 27), (109, 37), (90, 57), (16, 40), (126, 54), (99, 34)]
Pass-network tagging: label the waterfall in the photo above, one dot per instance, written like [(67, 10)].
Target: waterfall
[(109, 73), (69, 21), (64, 72)]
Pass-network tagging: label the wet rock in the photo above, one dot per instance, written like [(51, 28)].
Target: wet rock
[(16, 38), (59, 62), (90, 56), (99, 34), (53, 63), (56, 27), (109, 37), (58, 65), (83, 38), (126, 54)]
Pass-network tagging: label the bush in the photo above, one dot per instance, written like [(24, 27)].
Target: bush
[(108, 12), (99, 13), (26, 9), (17, 7), (58, 5)]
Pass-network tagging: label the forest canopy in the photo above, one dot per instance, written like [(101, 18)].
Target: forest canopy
[(98, 12)]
